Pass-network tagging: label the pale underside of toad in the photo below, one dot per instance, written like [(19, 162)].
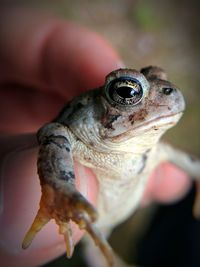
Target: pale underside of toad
[(114, 130)]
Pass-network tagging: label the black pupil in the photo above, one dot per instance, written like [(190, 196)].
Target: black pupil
[(126, 92)]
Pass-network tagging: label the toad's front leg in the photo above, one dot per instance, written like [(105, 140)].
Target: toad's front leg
[(60, 199)]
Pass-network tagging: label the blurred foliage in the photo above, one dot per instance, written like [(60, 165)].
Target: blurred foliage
[(144, 16)]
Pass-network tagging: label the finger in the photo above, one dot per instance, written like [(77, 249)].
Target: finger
[(23, 109), (60, 59), (39, 49), (167, 184), (20, 191)]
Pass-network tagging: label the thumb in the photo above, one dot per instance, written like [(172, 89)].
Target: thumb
[(20, 195)]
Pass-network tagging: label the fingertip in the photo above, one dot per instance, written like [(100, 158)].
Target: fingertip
[(167, 184), (77, 59), (53, 54)]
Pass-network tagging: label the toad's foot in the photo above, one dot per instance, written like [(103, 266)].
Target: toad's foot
[(60, 199), (63, 207)]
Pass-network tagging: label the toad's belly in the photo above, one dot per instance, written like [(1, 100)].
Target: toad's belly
[(118, 199)]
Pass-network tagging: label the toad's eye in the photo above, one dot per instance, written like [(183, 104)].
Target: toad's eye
[(125, 91)]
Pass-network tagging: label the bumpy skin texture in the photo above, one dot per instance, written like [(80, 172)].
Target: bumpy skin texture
[(114, 130)]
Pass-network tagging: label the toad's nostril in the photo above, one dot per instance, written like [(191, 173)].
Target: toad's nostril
[(167, 90)]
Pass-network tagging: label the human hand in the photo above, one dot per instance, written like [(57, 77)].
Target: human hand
[(46, 61)]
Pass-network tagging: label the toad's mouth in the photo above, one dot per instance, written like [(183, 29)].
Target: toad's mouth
[(161, 123)]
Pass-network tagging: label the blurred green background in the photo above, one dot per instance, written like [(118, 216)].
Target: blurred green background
[(148, 32)]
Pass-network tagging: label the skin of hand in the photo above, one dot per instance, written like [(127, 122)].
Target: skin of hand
[(46, 61)]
